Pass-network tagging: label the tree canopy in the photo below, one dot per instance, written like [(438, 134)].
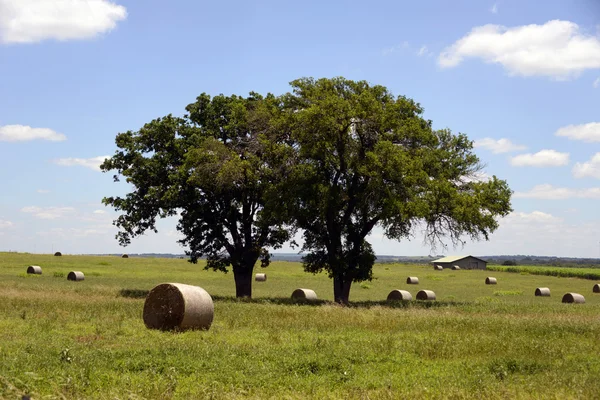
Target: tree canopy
[(208, 169), (365, 158)]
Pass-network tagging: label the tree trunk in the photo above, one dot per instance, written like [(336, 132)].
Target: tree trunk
[(243, 281), (341, 290)]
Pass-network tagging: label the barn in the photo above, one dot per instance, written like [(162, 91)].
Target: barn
[(464, 262)]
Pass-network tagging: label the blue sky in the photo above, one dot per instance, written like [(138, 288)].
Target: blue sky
[(520, 78)]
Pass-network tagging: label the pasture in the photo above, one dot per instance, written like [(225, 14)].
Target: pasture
[(86, 340)]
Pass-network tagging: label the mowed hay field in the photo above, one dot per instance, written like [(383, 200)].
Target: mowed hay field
[(87, 340)]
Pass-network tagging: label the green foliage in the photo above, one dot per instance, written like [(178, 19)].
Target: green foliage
[(58, 274), (362, 158), (508, 292), (565, 272)]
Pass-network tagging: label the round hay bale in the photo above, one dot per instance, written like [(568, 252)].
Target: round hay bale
[(124, 256), (75, 276), (490, 281), (57, 254), (596, 288), (398, 294), (455, 268), (176, 306), (34, 269), (542, 291), (573, 298), (260, 277), (304, 294), (412, 280), (438, 267), (425, 295)]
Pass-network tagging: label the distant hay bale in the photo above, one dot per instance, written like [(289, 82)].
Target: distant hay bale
[(260, 277), (398, 294), (176, 306), (304, 294), (573, 298), (57, 254), (412, 280), (490, 281), (455, 268), (75, 276), (425, 295), (438, 267), (596, 288), (542, 291), (124, 256), (34, 269)]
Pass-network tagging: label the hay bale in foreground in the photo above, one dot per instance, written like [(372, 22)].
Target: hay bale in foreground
[(260, 277), (176, 306), (75, 276), (398, 294), (304, 294), (455, 268), (596, 288), (542, 291), (124, 256), (426, 295), (34, 269), (573, 298), (490, 281), (438, 267), (412, 280), (57, 254)]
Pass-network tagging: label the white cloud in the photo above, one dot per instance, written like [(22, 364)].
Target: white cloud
[(48, 212), (93, 163), (589, 132), (549, 192), (543, 158), (498, 146), (589, 168), (23, 133), (556, 49), (423, 51), (99, 212), (30, 21), (394, 49), (5, 224), (494, 9), (43, 191), (535, 217), (596, 83)]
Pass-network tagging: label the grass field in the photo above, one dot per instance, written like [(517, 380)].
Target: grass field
[(583, 273), (80, 340)]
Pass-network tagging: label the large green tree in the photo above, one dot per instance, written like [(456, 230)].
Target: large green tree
[(207, 168), (365, 158)]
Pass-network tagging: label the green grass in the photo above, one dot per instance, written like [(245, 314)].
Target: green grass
[(564, 272), (74, 340)]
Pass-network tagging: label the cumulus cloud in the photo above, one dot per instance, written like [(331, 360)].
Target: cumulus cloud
[(556, 49), (543, 158), (589, 168), (533, 217), (549, 192), (30, 21), (423, 51), (5, 224), (498, 146), (589, 132), (48, 212), (23, 133), (92, 163)]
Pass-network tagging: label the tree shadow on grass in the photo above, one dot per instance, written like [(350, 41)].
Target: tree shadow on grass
[(133, 293)]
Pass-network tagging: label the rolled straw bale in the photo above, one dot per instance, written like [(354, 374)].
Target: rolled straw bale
[(57, 254), (425, 295), (438, 267), (176, 306), (490, 281), (304, 294), (260, 277), (124, 256), (573, 298), (34, 269), (75, 276), (412, 280), (596, 288), (542, 291), (455, 268), (398, 294)]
